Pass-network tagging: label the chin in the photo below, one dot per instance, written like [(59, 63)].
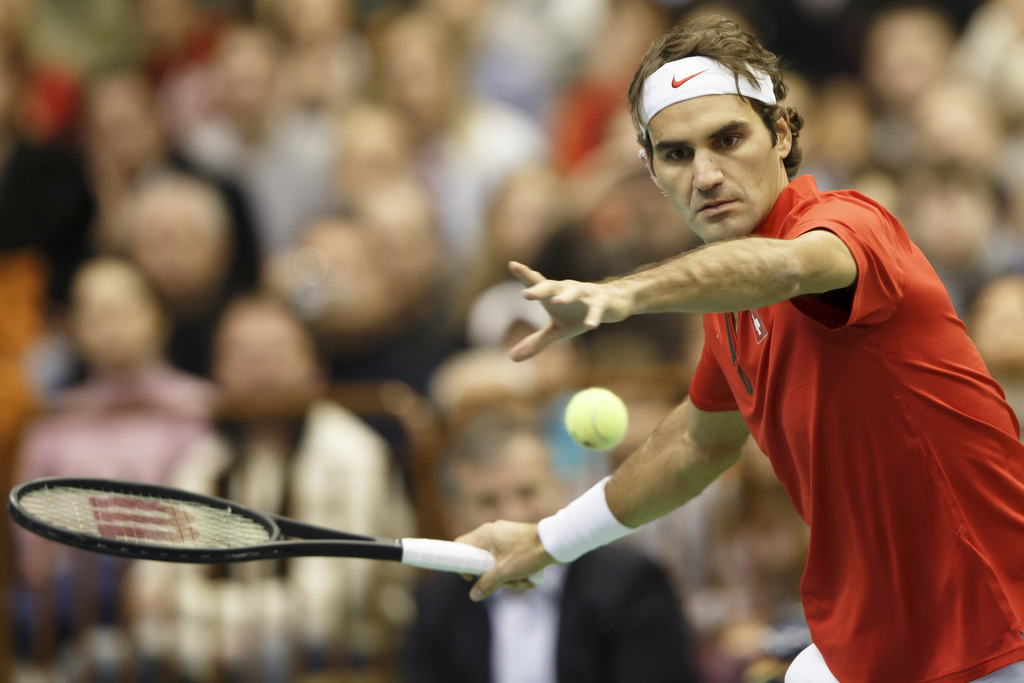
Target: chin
[(725, 230)]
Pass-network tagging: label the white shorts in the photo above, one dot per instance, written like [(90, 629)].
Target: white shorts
[(809, 667)]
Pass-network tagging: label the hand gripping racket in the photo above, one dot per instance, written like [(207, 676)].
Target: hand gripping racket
[(148, 522)]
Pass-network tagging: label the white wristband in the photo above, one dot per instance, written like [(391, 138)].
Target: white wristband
[(581, 526)]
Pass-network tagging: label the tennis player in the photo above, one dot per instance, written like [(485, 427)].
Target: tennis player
[(829, 338)]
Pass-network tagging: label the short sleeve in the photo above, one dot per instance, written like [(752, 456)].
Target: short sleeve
[(879, 245)]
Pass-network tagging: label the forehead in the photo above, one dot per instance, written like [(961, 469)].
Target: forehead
[(700, 117), (108, 281)]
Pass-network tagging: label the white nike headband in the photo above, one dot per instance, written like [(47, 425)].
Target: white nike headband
[(692, 77)]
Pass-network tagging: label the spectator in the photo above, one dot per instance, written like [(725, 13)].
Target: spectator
[(527, 208), (905, 50), (991, 53), (953, 213), (133, 417), (611, 618), (178, 230), (48, 101), (949, 113), (177, 39), (45, 211), (278, 155), (269, 621), (326, 60), (521, 53), (127, 143), (587, 107), (332, 279), (464, 145), (371, 285), (119, 330), (374, 146), (837, 136)]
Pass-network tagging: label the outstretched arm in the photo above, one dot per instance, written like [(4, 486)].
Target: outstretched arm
[(688, 450), (724, 276)]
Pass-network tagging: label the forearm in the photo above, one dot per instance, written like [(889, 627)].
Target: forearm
[(683, 455), (672, 466), (738, 275)]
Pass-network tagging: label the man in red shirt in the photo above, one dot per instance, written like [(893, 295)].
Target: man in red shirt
[(830, 339)]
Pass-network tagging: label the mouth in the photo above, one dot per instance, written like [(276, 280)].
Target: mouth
[(716, 208)]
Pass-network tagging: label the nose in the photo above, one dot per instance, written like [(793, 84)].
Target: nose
[(706, 173)]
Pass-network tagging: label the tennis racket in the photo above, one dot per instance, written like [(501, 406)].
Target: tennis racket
[(148, 522)]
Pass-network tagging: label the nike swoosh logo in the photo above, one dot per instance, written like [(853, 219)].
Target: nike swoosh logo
[(678, 82)]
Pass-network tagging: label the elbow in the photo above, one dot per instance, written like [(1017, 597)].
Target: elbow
[(792, 278)]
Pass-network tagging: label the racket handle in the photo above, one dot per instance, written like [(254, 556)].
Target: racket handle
[(445, 556), (449, 556)]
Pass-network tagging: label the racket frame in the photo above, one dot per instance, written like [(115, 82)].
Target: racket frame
[(315, 541)]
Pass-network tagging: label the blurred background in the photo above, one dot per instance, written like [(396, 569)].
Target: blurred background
[(258, 249)]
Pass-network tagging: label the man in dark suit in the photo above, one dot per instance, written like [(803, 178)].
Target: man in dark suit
[(610, 616)]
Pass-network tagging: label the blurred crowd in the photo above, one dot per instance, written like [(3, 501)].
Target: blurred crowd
[(207, 201)]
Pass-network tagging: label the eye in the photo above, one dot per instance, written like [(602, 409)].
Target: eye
[(678, 154), (730, 140)]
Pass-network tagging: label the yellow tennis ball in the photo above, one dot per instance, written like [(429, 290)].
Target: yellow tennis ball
[(596, 418)]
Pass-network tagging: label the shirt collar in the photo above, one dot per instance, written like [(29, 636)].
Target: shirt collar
[(795, 192)]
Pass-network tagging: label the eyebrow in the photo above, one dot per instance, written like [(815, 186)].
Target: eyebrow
[(731, 126)]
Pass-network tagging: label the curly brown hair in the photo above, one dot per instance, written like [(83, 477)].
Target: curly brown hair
[(724, 41)]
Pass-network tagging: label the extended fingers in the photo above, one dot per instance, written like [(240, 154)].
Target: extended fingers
[(532, 344), (528, 276)]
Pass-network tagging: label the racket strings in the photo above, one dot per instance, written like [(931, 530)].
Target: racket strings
[(133, 517)]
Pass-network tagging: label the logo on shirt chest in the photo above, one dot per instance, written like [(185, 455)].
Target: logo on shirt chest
[(760, 331)]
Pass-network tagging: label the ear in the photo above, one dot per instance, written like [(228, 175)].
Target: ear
[(642, 153), (783, 133)]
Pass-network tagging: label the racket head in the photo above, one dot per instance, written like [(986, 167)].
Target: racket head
[(140, 521)]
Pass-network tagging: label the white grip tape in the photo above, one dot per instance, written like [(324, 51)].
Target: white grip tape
[(583, 525), (445, 556), (449, 556)]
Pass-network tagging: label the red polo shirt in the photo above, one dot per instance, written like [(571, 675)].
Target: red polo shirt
[(896, 447)]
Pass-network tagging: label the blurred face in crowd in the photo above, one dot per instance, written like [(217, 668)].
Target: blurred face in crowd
[(261, 348), (246, 68), (420, 72), (180, 237), (15, 20), (122, 122), (905, 50), (950, 213), (166, 25), (373, 149), (714, 159), (526, 210), (958, 120), (309, 22), (401, 217), (116, 320), (518, 485)]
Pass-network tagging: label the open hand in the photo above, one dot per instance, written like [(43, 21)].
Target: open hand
[(575, 307)]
